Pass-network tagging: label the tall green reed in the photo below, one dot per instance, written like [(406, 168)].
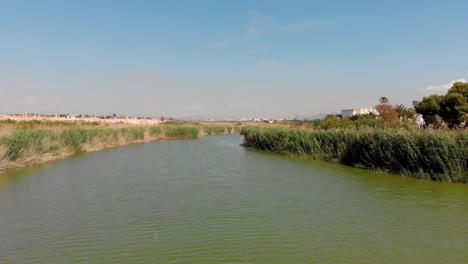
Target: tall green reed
[(430, 155)]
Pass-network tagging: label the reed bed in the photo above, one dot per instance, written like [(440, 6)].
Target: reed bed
[(432, 155), (211, 130), (25, 144), (181, 132)]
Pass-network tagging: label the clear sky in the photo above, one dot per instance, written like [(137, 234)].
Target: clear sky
[(226, 58)]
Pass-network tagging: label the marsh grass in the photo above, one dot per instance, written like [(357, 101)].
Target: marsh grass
[(214, 130), (22, 144), (155, 131), (181, 132), (433, 155)]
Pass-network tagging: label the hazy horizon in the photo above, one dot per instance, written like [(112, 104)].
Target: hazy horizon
[(224, 59)]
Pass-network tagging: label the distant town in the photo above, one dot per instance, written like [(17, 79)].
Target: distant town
[(137, 120), (145, 120), (82, 117)]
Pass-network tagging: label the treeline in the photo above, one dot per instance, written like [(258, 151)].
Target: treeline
[(438, 111), (451, 108), (366, 121), (420, 154)]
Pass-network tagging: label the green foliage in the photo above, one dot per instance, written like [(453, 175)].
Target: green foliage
[(404, 112), (133, 133), (453, 107), (8, 122), (365, 121), (420, 154), (181, 132), (25, 141), (429, 106), (155, 131), (75, 138), (459, 87), (31, 124), (22, 140), (214, 130), (355, 122), (383, 100)]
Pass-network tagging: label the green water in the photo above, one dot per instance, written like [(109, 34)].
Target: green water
[(211, 201)]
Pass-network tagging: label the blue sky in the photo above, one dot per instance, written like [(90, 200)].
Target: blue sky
[(226, 58)]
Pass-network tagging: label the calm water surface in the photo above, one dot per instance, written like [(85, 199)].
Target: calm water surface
[(211, 201)]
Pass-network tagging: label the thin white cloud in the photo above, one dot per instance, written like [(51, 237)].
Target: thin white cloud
[(228, 41), (260, 24), (303, 26), (269, 64), (442, 87)]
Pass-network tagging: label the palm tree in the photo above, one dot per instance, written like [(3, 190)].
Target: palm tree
[(400, 109), (383, 100)]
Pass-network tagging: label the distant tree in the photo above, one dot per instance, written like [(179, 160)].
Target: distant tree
[(367, 116), (429, 107), (400, 109), (459, 87), (410, 113), (372, 115), (403, 111), (455, 107), (383, 100), (452, 108), (387, 113)]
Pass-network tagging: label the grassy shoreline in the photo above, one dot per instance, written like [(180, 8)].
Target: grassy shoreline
[(23, 145), (431, 155)]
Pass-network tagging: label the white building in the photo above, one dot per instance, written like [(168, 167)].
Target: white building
[(358, 111), (419, 121)]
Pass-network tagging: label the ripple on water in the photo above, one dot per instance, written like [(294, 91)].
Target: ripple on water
[(211, 201)]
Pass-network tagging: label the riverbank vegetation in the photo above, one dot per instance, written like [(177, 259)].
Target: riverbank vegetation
[(451, 109), (439, 156), (26, 143), (390, 138), (439, 112), (367, 121)]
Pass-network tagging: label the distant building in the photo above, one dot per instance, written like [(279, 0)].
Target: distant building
[(82, 117), (358, 111), (419, 121)]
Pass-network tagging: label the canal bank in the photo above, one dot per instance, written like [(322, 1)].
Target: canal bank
[(26, 147)]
